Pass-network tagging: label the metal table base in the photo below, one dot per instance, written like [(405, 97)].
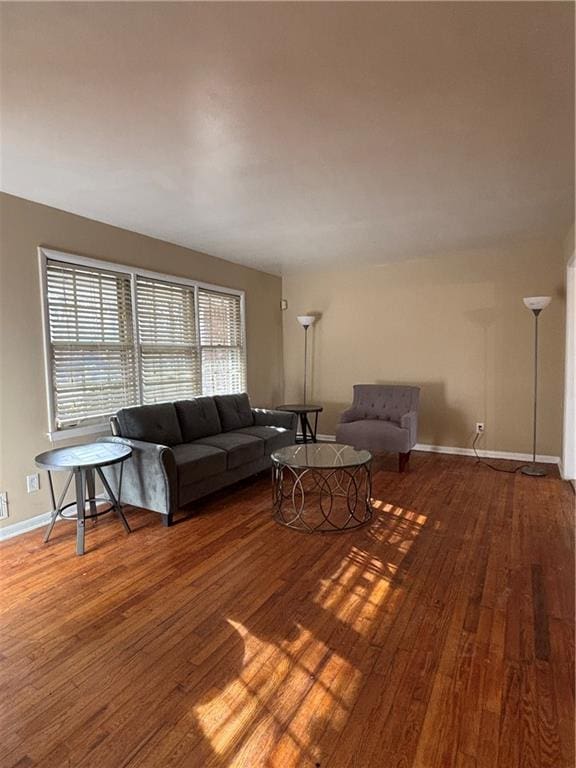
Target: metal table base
[(314, 500), (85, 478)]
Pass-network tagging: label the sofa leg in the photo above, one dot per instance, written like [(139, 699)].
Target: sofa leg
[(403, 461), (167, 520)]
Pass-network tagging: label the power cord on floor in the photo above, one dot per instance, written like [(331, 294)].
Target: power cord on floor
[(480, 460)]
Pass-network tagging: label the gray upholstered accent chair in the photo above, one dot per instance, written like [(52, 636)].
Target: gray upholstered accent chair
[(382, 418)]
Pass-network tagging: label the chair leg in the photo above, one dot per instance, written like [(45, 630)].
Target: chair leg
[(403, 461)]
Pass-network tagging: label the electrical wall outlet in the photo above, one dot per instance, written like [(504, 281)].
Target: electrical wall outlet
[(3, 504), (479, 427), (32, 483)]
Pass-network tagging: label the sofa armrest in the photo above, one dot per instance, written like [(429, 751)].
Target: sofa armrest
[(409, 421), (149, 475), (268, 418), (351, 414)]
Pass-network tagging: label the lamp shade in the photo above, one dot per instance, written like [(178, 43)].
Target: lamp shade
[(537, 302), (306, 320)]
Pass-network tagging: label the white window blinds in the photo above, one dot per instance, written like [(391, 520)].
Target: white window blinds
[(221, 342), (168, 341), (118, 337), (91, 342)]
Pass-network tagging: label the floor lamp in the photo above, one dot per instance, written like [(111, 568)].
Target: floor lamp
[(536, 304), (306, 321)]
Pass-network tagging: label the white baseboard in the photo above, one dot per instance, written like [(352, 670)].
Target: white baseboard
[(15, 529), (508, 455), (455, 451)]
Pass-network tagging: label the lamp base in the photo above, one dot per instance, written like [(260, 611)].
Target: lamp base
[(533, 471)]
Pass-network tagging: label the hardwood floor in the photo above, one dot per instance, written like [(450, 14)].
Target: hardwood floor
[(441, 636)]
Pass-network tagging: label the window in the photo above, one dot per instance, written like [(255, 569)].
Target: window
[(117, 336), (168, 341), (91, 341), (221, 344)]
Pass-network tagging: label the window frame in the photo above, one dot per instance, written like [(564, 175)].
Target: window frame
[(47, 254)]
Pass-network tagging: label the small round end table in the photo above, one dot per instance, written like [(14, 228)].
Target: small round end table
[(81, 462), (302, 410)]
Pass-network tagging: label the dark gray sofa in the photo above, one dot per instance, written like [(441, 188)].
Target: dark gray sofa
[(188, 449)]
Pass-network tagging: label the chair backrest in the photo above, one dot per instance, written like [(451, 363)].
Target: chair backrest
[(385, 401)]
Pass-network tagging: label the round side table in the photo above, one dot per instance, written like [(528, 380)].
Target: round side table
[(302, 410), (82, 462)]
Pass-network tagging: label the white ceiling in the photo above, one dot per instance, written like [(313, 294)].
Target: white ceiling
[(288, 135)]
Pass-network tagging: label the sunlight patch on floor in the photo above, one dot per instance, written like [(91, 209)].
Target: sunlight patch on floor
[(293, 694), (357, 589), (365, 582), (294, 687)]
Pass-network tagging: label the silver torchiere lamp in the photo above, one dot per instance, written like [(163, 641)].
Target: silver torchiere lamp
[(306, 321), (536, 304)]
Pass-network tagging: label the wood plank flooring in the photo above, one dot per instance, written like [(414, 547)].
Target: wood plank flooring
[(441, 636)]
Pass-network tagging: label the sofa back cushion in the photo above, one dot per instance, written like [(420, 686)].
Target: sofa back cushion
[(198, 418), (234, 411), (152, 423)]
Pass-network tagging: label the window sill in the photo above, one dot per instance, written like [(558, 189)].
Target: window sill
[(61, 435)]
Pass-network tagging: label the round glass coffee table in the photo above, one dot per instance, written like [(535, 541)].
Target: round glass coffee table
[(322, 487)]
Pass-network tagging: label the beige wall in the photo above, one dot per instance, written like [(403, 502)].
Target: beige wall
[(455, 325), (569, 244), (23, 417)]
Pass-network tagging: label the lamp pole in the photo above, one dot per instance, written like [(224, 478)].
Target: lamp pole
[(305, 359), (306, 321), (535, 414), (536, 304)]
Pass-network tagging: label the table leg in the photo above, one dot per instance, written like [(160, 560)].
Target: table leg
[(113, 500), (307, 428), (56, 507), (91, 493), (303, 425), (314, 440), (51, 484), (80, 503)]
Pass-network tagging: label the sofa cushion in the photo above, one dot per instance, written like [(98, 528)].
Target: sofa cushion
[(198, 418), (196, 462), (274, 437), (151, 423), (234, 411), (240, 449)]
